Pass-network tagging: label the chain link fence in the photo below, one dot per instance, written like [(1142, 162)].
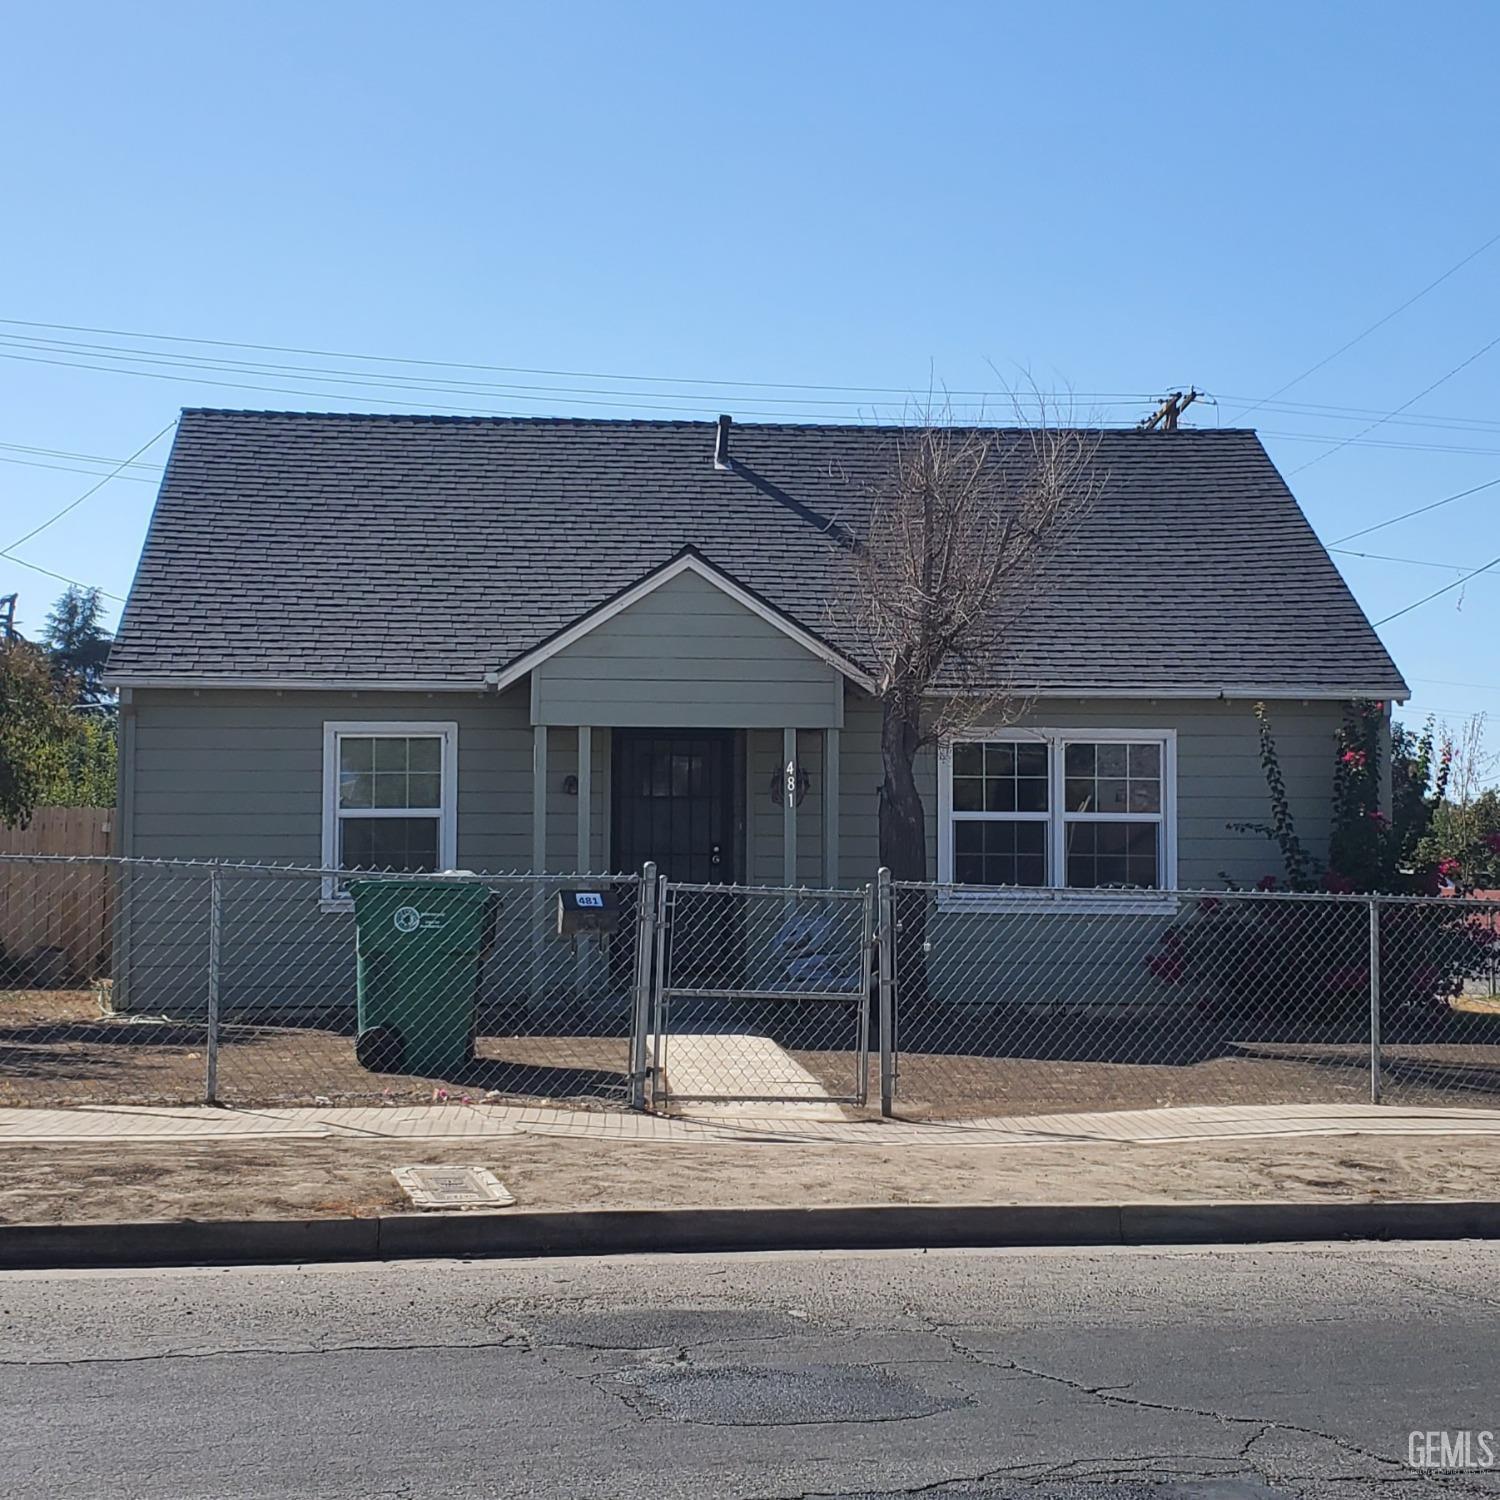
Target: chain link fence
[(1010, 1003), (142, 982), (132, 981), (762, 995)]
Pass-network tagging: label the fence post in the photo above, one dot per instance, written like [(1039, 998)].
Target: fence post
[(885, 946), (645, 968), (1374, 1000), (215, 927)]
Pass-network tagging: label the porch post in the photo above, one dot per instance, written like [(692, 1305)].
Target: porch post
[(538, 860), (585, 797), (789, 807), (538, 798), (831, 808)]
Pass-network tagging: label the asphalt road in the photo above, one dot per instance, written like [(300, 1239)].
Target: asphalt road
[(1066, 1375)]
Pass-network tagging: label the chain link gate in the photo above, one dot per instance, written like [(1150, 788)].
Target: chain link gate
[(761, 995)]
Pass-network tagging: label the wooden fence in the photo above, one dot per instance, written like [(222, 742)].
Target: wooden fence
[(55, 919)]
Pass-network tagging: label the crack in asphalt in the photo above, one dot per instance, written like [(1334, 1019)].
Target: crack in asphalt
[(1113, 1395), (614, 1384), (520, 1340), (259, 1351)]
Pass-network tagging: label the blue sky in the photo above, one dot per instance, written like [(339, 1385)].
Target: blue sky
[(827, 195)]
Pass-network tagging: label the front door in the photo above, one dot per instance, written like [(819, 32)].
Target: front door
[(674, 802)]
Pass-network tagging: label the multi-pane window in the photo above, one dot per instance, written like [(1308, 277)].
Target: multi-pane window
[(1064, 808), (1112, 813), (389, 803), (1001, 801)]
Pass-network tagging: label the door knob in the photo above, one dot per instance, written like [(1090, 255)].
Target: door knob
[(715, 854)]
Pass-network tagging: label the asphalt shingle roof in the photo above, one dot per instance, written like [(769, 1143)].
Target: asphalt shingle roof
[(291, 546)]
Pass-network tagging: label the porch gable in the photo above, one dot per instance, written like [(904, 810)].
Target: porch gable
[(687, 648)]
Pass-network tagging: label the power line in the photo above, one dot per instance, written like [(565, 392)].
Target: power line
[(1426, 391), (1447, 588), (1406, 515), (1389, 443), (76, 354), (21, 562), (1443, 421), (1415, 562), (511, 369), (93, 458), (1377, 324), (36, 463), (1433, 709), (92, 489), (512, 391), (188, 374), (1488, 687)]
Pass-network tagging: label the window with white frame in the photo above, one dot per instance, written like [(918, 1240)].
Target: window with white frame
[(1088, 809), (389, 797)]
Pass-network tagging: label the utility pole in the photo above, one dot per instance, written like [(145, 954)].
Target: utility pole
[(8, 617), (1170, 410)]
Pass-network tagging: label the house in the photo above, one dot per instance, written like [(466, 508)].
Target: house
[(515, 644)]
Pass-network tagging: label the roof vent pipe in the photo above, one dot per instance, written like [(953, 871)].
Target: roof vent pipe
[(721, 446)]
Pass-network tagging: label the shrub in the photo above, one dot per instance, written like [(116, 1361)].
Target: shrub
[(1265, 958)]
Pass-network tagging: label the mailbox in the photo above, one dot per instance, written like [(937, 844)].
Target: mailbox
[(587, 911)]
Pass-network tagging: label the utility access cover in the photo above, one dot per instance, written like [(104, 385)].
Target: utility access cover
[(452, 1187)]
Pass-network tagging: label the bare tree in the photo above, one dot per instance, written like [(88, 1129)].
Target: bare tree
[(959, 526)]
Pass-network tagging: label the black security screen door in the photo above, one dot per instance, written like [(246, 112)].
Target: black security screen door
[(674, 803)]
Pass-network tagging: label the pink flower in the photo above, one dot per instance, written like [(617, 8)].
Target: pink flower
[(1356, 758), (1379, 819), (1266, 883), (1336, 884), (1448, 868)]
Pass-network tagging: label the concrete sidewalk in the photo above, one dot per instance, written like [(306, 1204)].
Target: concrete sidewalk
[(114, 1166), (442, 1123)]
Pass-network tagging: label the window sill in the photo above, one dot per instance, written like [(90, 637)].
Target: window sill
[(1082, 902), (335, 903)]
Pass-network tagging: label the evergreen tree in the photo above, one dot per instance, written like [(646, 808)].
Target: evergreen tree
[(78, 645)]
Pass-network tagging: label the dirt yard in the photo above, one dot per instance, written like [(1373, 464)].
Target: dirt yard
[(111, 1182), (57, 1049)]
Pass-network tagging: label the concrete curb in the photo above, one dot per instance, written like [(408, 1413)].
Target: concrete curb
[(631, 1231)]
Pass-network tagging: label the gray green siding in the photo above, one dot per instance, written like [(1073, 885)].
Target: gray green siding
[(686, 656), (238, 776)]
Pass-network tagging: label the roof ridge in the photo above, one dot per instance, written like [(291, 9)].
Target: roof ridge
[(694, 423)]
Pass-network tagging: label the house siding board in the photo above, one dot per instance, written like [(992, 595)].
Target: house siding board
[(685, 656), (238, 776), (763, 750), (1219, 778), (1070, 959)]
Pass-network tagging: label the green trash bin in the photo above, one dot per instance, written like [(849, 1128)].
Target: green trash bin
[(419, 946)]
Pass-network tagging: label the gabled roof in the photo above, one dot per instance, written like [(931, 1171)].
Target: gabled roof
[(689, 560), (295, 548)]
